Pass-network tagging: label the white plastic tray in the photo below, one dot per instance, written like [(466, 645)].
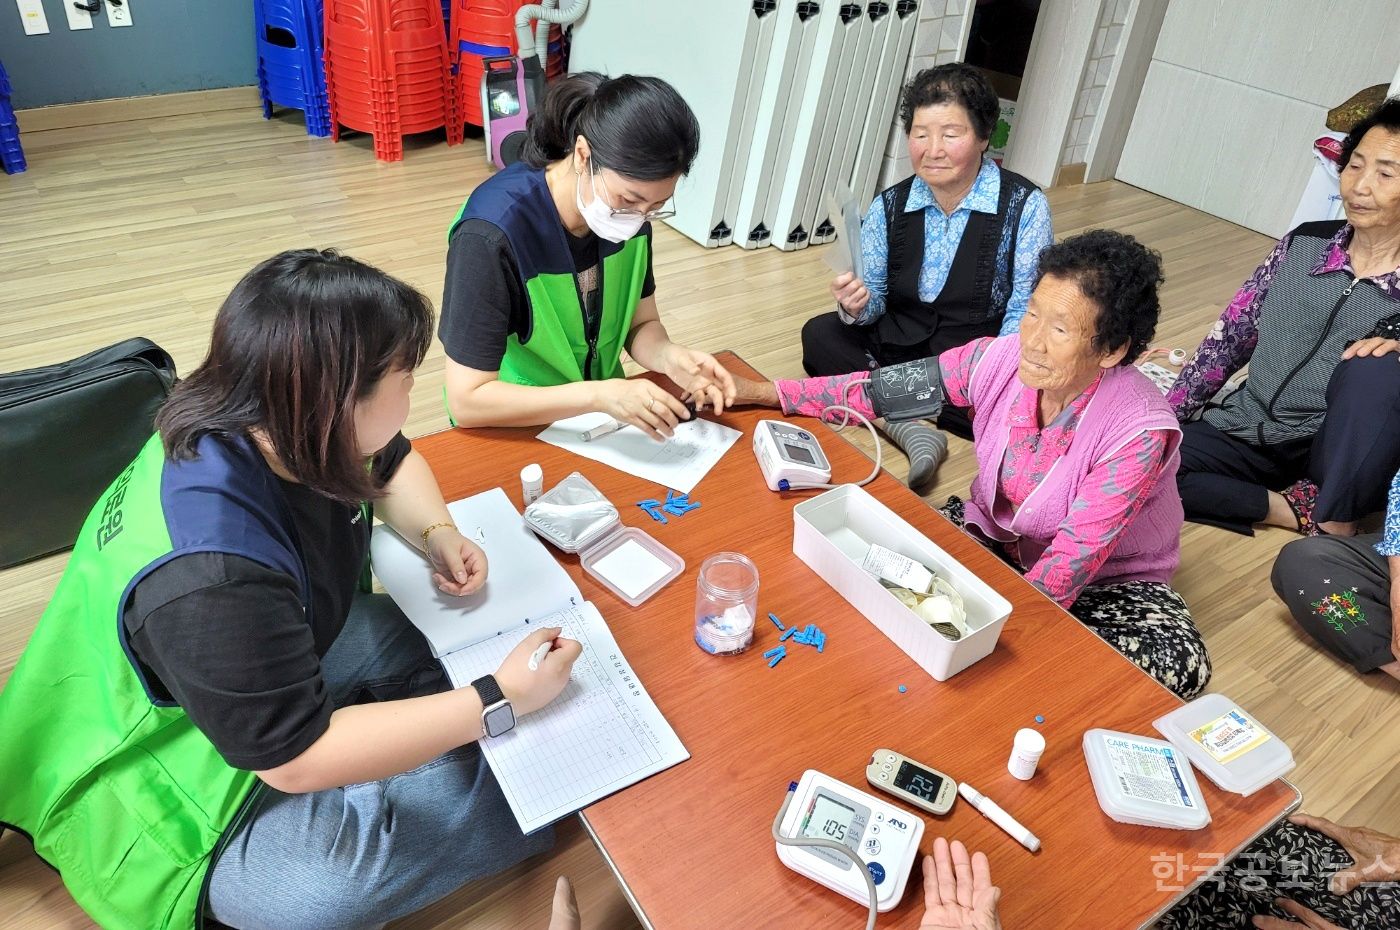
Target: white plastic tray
[(832, 533)]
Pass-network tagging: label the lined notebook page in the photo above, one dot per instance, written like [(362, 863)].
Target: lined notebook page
[(600, 735)]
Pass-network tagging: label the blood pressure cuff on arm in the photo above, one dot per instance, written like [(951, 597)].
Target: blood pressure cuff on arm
[(911, 391)]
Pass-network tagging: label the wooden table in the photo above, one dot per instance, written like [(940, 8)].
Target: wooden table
[(691, 845)]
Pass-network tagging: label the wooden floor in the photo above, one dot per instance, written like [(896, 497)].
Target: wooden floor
[(141, 228)]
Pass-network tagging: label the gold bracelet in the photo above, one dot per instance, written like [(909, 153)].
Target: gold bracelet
[(435, 526)]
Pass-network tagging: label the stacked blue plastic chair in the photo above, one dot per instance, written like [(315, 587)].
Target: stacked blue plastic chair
[(291, 72), (11, 155)]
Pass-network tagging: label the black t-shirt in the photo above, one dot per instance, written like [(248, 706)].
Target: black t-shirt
[(483, 300), (231, 642)]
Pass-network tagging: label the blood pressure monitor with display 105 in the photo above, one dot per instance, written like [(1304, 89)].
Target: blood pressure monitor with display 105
[(881, 841), (789, 456)]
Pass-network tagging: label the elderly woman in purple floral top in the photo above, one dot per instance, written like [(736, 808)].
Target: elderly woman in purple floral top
[(1316, 324)]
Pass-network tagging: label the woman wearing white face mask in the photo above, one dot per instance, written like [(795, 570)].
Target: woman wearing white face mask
[(549, 266)]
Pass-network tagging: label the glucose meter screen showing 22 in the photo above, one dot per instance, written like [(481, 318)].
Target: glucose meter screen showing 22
[(828, 819), (918, 782)]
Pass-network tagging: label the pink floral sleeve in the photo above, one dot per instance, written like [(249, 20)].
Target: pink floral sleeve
[(1229, 344), (808, 397), (956, 366), (1108, 501)]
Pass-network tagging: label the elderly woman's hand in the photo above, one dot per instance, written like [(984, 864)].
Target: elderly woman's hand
[(753, 393), (850, 293), (1307, 918), (1374, 346), (958, 890), (1376, 855)]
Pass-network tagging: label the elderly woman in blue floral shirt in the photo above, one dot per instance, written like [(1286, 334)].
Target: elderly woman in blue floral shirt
[(949, 254)]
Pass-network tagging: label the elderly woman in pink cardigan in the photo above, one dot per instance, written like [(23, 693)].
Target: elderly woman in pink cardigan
[(1076, 449)]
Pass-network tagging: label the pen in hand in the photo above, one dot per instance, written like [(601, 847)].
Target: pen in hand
[(538, 655), (612, 426)]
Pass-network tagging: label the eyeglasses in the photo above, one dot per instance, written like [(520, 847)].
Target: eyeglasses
[(614, 211), (649, 215)]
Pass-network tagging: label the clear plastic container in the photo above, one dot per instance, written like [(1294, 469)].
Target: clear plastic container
[(1144, 781), (726, 603), (575, 516), (1232, 748)]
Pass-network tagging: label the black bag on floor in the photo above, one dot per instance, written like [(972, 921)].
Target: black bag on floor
[(66, 431)]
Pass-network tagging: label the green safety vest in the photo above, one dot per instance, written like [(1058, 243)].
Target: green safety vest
[(118, 789), (559, 347)]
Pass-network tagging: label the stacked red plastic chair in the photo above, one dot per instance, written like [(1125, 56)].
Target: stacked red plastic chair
[(388, 72), (289, 60), (480, 29), (484, 29)]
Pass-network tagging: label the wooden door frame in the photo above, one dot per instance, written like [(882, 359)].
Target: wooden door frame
[(1060, 46), (1054, 77)]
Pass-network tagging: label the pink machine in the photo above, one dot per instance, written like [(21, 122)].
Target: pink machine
[(512, 86)]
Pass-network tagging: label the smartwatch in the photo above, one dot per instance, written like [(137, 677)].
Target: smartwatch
[(497, 716)]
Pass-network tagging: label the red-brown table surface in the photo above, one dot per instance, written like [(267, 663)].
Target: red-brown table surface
[(692, 846)]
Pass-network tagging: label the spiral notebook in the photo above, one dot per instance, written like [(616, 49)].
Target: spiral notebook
[(602, 733)]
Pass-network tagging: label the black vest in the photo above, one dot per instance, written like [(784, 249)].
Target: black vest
[(973, 299)]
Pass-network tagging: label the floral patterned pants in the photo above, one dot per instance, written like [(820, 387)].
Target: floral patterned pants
[(1289, 861), (1146, 621)]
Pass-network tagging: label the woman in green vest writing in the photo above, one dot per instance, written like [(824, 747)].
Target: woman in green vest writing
[(549, 267), (212, 719)]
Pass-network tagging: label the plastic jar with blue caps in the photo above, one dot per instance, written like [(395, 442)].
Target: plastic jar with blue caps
[(726, 603)]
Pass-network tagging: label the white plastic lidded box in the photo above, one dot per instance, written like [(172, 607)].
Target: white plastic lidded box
[(575, 516), (832, 533), (1144, 781), (1232, 748)]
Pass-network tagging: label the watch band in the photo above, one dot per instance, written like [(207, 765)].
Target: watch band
[(489, 691)]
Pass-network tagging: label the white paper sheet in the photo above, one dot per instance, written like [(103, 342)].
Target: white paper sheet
[(680, 462), (523, 580), (600, 735), (32, 18)]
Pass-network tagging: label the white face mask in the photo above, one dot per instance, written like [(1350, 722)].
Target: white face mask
[(599, 216)]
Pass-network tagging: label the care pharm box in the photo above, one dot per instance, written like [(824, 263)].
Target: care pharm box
[(833, 532), (1222, 740), (1143, 781)]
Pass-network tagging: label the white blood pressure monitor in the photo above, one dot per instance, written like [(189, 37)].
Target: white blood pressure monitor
[(884, 837), (789, 453)]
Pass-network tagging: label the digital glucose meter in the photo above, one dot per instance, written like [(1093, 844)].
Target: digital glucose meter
[(882, 839), (789, 453)]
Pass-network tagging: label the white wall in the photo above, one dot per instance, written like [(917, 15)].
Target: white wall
[(1237, 91)]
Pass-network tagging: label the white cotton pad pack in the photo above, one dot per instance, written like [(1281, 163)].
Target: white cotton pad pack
[(575, 516)]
